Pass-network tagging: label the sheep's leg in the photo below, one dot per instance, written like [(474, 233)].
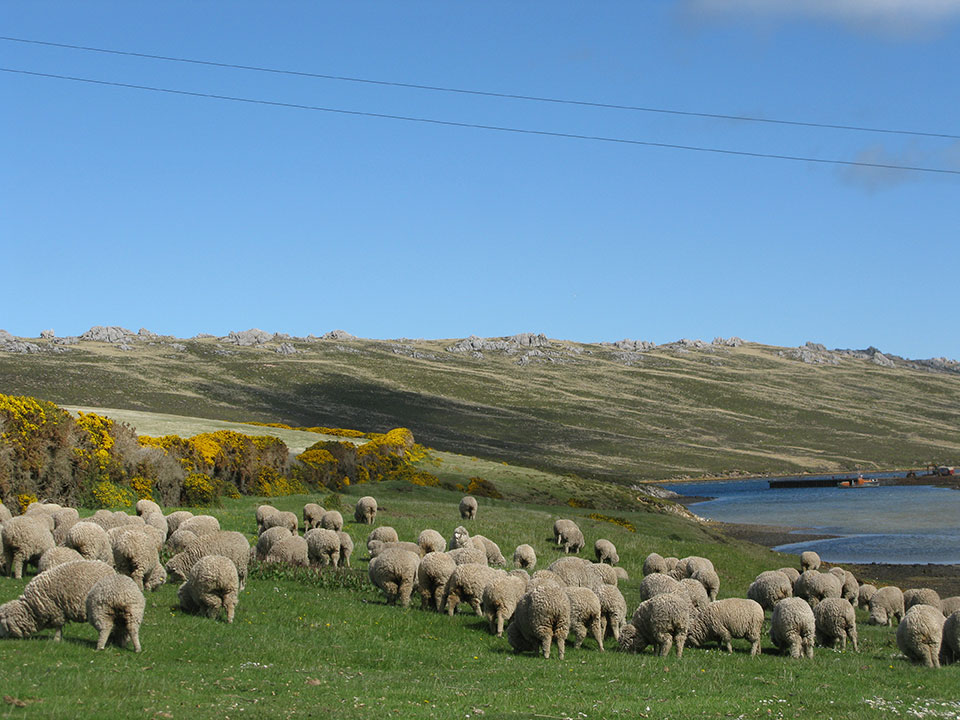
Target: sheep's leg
[(561, 645), (451, 602), (16, 565), (853, 638), (681, 640), (391, 590), (808, 646), (755, 647), (597, 633), (663, 642), (499, 623), (106, 628), (406, 590), (58, 635), (579, 633), (475, 604), (794, 647), (842, 640), (545, 645), (438, 599)]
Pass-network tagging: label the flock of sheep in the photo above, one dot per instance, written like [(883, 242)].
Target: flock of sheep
[(96, 570)]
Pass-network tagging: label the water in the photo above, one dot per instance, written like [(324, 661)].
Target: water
[(909, 524)]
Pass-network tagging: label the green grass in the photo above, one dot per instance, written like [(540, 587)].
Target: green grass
[(306, 645)]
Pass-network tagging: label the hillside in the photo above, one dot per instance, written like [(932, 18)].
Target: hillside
[(625, 412)]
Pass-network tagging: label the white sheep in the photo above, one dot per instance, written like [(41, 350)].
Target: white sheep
[(394, 572), (63, 520), (115, 608), (177, 518), (180, 540), (158, 521), (459, 539), (769, 588), (200, 525), (468, 507), (346, 549), (366, 510), (525, 557), (145, 507), (499, 601), (950, 645), (576, 572), (494, 556), (384, 533), (267, 539), (375, 547), (290, 550), (24, 540), (5, 513), (920, 596), (466, 585), (687, 566), (57, 556), (468, 555), (950, 605), (432, 574), (228, 543), (312, 513), (886, 605), (662, 621), (431, 541), (696, 592), (864, 593), (607, 573), (654, 563), (283, 518), (135, 555), (585, 615), (332, 520), (323, 547), (793, 627), (613, 610), (723, 620), (90, 540), (606, 551), (262, 513), (790, 572), (920, 634), (709, 579), (809, 560), (570, 537), (835, 622), (212, 584), (657, 584), (813, 586), (542, 616)]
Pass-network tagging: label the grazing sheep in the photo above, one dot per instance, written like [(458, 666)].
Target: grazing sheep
[(332, 520), (576, 572), (91, 541), (145, 507), (607, 573), (793, 627), (950, 605), (312, 513), (661, 621), (606, 552), (613, 610), (290, 550), (263, 512), (115, 608), (346, 549), (394, 572), (201, 525), (864, 594), (105, 519), (886, 605), (376, 547), (135, 555), (770, 587), (180, 540), (5, 513), (176, 519), (466, 584), (569, 537), (813, 586), (468, 555), (920, 634), (835, 621), (920, 596), (432, 574), (212, 583), (657, 584), (709, 579), (791, 572), (468, 508), (696, 592), (323, 547), (459, 539), (542, 616), (227, 543), (52, 599), (687, 566), (560, 525), (24, 540), (654, 563), (57, 556), (384, 533), (851, 588), (546, 576), (158, 521), (431, 541), (366, 510), (950, 646), (809, 560), (525, 557), (63, 520), (499, 601), (723, 620), (268, 538), (494, 556), (585, 615), (282, 518), (621, 574)]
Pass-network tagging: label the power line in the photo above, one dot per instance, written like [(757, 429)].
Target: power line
[(478, 126), (484, 93)]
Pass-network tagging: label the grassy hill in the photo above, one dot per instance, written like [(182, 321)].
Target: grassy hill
[(592, 410)]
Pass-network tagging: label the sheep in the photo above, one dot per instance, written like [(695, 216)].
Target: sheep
[(283, 518), (106, 519), (211, 583), (311, 516), (813, 586), (5, 513), (809, 560), (769, 588), (671, 563), (175, 519), (145, 507), (459, 539), (542, 616), (585, 615), (366, 510), (689, 565), (607, 573), (332, 520), (468, 556), (466, 584), (499, 601), (180, 540), (793, 627), (115, 608), (24, 540), (201, 525), (431, 541), (262, 513), (920, 596), (576, 572), (950, 605), (525, 557), (724, 620), (791, 572), (570, 537), (376, 547), (57, 556), (135, 554), (346, 549), (613, 610), (696, 592), (323, 547), (950, 645), (394, 572), (156, 520), (231, 544), (468, 508), (661, 621), (656, 584), (289, 550), (494, 556), (835, 621), (709, 579), (606, 552), (850, 589), (864, 594), (52, 599), (268, 538), (63, 520), (885, 605), (920, 634), (546, 576), (432, 574), (384, 533), (654, 563), (91, 541), (622, 574), (561, 525)]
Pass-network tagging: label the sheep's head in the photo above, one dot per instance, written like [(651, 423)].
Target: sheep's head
[(878, 615), (15, 620), (460, 538)]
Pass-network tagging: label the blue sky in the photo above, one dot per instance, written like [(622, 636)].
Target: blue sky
[(186, 215)]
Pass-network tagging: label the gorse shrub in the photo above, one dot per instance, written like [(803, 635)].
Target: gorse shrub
[(108, 495)]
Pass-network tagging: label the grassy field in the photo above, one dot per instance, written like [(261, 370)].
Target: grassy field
[(312, 645)]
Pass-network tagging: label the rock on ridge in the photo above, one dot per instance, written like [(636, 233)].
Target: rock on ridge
[(286, 349), (109, 334), (510, 344), (253, 336), (338, 335)]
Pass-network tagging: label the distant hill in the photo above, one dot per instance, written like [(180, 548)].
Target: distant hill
[(625, 411)]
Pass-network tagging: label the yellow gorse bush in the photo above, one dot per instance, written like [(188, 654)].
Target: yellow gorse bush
[(109, 495)]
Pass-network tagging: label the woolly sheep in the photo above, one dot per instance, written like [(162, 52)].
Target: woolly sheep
[(376, 547), (864, 593), (813, 586), (561, 525), (284, 518), (835, 621), (432, 574), (115, 608), (606, 552), (5, 513), (366, 510), (542, 616), (525, 557), (394, 572), (105, 519), (91, 541), (332, 520), (177, 518), (724, 620), (661, 621), (657, 584), (546, 576), (572, 540), (494, 556), (466, 585), (809, 560), (499, 601), (950, 645), (851, 588), (201, 525), (311, 516), (613, 610), (154, 535), (886, 605), (459, 539), (696, 592), (793, 627), (24, 540), (770, 587), (268, 538), (607, 573), (323, 547), (262, 513), (431, 541), (468, 507), (920, 596), (654, 563), (180, 540), (346, 549), (671, 563), (156, 520), (709, 579), (63, 520), (52, 599), (384, 533), (687, 566), (135, 555), (950, 605), (920, 634), (468, 555), (290, 550), (144, 507), (57, 556), (228, 543), (621, 574), (585, 615), (212, 583), (576, 572), (791, 572)]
